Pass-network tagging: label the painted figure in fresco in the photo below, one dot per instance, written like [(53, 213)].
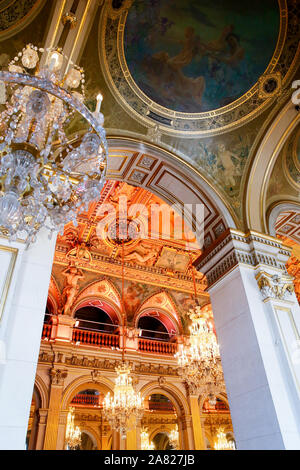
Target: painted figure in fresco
[(230, 169), (132, 298), (170, 70), (72, 275)]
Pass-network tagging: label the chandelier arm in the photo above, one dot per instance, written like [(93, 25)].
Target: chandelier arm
[(58, 92)]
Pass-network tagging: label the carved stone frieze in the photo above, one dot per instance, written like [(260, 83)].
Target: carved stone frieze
[(97, 364)]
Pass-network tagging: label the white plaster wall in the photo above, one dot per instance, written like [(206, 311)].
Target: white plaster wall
[(20, 330)]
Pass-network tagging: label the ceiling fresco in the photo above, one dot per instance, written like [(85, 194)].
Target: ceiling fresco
[(199, 56), (284, 182), (157, 272), (197, 68), (15, 15), (246, 69)]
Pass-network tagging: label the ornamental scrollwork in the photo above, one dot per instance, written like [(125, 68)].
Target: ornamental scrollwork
[(274, 286)]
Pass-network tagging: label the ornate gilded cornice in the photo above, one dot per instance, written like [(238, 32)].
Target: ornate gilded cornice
[(149, 274)]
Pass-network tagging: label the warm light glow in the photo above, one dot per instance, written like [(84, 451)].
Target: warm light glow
[(124, 404), (174, 437), (222, 443), (99, 101), (199, 359), (73, 434), (145, 445)]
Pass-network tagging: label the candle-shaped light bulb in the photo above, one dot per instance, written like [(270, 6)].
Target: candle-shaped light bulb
[(99, 101)]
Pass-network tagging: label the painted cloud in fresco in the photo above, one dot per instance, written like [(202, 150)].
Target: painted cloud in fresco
[(194, 56)]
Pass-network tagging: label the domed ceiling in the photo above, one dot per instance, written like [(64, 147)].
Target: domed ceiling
[(199, 56), (196, 67)]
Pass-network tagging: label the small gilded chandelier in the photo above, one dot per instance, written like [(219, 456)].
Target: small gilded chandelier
[(126, 403), (222, 442), (73, 435), (145, 445), (174, 437), (199, 360), (47, 174)]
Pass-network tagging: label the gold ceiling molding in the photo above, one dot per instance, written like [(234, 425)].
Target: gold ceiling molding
[(135, 149), (291, 160), (15, 15), (147, 275), (216, 122)]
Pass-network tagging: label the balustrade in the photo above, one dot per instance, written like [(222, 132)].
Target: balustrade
[(95, 338), (159, 347)]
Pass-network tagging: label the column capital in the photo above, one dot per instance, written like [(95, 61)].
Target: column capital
[(252, 249), (57, 376)]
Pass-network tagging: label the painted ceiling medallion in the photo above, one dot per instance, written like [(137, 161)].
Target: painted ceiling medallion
[(196, 68), (15, 15)]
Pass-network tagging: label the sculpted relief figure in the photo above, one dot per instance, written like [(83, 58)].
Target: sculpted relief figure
[(80, 251), (72, 275)]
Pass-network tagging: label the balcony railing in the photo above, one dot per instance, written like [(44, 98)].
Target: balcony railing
[(95, 338), (87, 400), (159, 347), (46, 331), (219, 407), (161, 406)]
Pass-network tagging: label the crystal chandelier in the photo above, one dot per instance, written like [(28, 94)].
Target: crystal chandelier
[(73, 435), (47, 175), (125, 403), (199, 360), (222, 442), (145, 445), (174, 437)]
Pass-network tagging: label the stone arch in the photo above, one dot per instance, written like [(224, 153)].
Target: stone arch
[(92, 434), (42, 390), (172, 179), (158, 429), (168, 314), (277, 209), (107, 294), (170, 391), (81, 383), (54, 295), (263, 163)]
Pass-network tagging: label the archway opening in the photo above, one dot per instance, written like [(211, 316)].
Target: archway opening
[(152, 328), (161, 422), (94, 319)]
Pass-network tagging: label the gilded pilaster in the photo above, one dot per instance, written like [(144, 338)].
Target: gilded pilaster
[(57, 377)]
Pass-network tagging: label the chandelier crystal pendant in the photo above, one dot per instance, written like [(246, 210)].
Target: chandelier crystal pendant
[(222, 442), (47, 174), (125, 404), (73, 434)]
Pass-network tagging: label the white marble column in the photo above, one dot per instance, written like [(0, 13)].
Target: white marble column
[(257, 320), (23, 290)]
